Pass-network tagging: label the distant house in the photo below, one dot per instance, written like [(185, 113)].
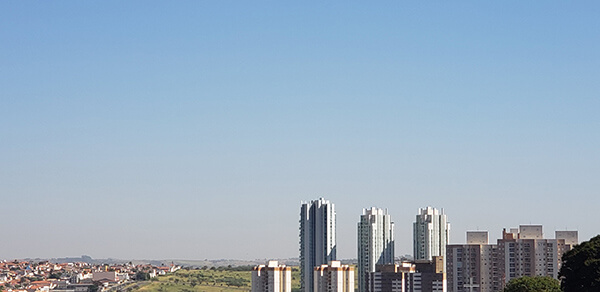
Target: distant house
[(163, 270), (41, 286), (105, 282), (169, 269)]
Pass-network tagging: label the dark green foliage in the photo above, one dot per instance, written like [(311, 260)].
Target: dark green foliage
[(233, 281), (141, 276), (239, 268), (55, 275), (580, 271), (533, 284)]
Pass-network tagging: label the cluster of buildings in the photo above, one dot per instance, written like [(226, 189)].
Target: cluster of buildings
[(481, 266), (32, 276), (437, 266)]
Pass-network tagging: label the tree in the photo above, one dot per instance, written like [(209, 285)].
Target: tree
[(580, 270), (141, 276), (533, 284), (55, 275)]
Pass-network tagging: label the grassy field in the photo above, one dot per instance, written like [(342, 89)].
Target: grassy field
[(204, 280)]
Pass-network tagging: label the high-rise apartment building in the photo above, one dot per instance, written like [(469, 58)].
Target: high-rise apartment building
[(482, 267), (375, 242), (527, 253), (473, 266), (431, 234), (272, 278), (334, 277), (317, 239)]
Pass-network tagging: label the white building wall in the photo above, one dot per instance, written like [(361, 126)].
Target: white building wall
[(317, 239), (375, 242), (431, 234)]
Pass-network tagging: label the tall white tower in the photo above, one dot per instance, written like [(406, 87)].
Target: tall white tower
[(375, 242), (317, 239), (431, 234)]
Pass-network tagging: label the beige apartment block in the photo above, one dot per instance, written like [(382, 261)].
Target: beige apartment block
[(482, 267), (334, 277), (473, 266), (272, 278), (529, 254)]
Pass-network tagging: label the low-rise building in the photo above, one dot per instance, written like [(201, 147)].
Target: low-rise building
[(334, 277), (271, 278), (418, 276)]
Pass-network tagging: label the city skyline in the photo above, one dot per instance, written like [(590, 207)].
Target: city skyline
[(129, 129)]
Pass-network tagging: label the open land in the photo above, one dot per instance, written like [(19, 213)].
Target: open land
[(210, 280)]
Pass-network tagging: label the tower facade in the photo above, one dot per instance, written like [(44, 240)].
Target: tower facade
[(375, 242), (473, 266), (524, 251), (317, 239), (431, 234)]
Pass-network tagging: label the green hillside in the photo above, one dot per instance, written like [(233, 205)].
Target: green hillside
[(210, 280)]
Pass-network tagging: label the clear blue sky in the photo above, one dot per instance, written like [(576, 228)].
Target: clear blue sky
[(194, 129)]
